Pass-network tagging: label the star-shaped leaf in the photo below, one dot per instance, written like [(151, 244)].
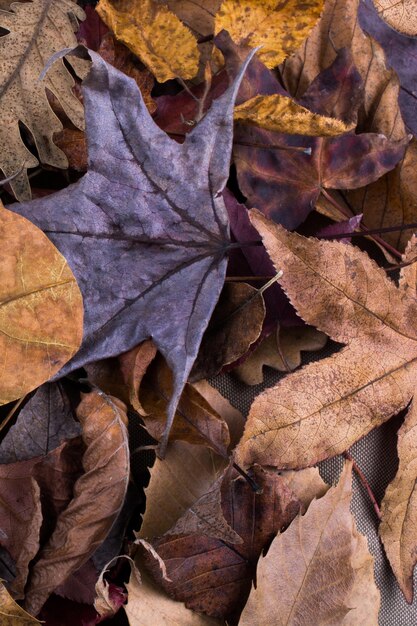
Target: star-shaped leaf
[(145, 231)]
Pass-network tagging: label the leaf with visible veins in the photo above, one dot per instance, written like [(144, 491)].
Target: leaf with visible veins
[(145, 230)]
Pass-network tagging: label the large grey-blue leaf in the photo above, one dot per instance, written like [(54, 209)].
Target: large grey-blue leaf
[(145, 231)]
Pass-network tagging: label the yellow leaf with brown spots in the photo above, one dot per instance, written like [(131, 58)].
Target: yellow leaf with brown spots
[(41, 309), (282, 115), (278, 27), (155, 35)]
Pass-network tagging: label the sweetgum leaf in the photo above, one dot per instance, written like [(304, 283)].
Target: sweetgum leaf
[(145, 230)]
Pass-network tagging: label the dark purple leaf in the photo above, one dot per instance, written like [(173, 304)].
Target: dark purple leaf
[(145, 231)]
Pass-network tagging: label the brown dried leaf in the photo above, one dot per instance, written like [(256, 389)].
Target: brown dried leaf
[(177, 482), (236, 323), (324, 408), (37, 30), (319, 571), (306, 484), (281, 350), (408, 275), (98, 495), (210, 575), (11, 614), (41, 313), (399, 14)]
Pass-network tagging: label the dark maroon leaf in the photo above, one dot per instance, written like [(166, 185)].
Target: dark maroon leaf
[(41, 426), (145, 231), (92, 29), (401, 53)]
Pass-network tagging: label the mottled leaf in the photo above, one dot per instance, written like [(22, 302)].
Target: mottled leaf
[(145, 202), (399, 14), (11, 614)]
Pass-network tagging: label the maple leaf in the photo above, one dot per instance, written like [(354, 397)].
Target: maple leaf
[(324, 408), (334, 552), (42, 425), (36, 30), (155, 35), (41, 315), (149, 203), (210, 575)]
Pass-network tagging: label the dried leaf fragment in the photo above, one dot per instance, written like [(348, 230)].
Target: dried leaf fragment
[(41, 309), (399, 14), (155, 35), (332, 552), (282, 115), (278, 28), (11, 614)]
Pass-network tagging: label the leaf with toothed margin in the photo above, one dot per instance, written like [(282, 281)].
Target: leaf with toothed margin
[(145, 231)]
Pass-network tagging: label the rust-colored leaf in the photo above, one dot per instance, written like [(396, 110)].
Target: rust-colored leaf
[(324, 408), (41, 312), (319, 571), (98, 495)]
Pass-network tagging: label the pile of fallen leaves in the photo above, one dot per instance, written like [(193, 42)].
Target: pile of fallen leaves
[(197, 189)]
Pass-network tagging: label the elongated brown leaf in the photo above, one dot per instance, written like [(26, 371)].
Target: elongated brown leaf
[(41, 310), (319, 571), (325, 407), (37, 30), (98, 496)]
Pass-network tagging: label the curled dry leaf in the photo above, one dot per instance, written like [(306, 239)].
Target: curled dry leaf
[(399, 14), (36, 30), (212, 576), (281, 350), (282, 115), (41, 313), (98, 495), (278, 28), (235, 325), (155, 35), (324, 408), (11, 614), (149, 202), (334, 553), (45, 421), (176, 483)]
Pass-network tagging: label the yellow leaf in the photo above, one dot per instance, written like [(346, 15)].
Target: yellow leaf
[(41, 310), (279, 27), (283, 115), (11, 614), (155, 35), (399, 14)]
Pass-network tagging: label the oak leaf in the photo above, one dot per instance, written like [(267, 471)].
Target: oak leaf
[(41, 313), (283, 115), (145, 202), (155, 35), (324, 408), (97, 498), (36, 30), (332, 552), (212, 576), (399, 14), (278, 28), (281, 350), (11, 614)]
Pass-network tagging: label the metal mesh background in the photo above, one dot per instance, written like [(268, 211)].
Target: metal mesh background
[(376, 455)]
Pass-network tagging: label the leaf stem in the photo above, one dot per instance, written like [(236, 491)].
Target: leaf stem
[(365, 483), (253, 485)]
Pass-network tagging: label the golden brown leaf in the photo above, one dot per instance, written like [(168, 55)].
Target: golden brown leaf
[(155, 35), (281, 350), (324, 408), (282, 115), (319, 571), (11, 614), (177, 482), (37, 30), (278, 27), (97, 498), (399, 14), (41, 312), (398, 529)]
